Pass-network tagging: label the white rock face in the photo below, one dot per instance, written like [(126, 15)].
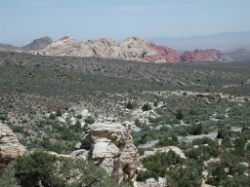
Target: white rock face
[(131, 48), (111, 146), (10, 148)]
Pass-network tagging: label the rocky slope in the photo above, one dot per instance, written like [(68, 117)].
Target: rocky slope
[(10, 48), (209, 55), (39, 43), (10, 148), (241, 54)]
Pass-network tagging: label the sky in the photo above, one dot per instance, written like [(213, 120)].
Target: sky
[(24, 20)]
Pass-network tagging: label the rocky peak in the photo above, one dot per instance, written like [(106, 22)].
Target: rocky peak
[(39, 43)]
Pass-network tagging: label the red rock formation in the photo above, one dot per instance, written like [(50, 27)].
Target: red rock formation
[(209, 55), (164, 54), (132, 48)]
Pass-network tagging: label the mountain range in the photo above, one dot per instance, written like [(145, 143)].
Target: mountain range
[(36, 44), (235, 46)]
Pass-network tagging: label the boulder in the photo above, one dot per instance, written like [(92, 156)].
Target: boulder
[(10, 148), (111, 146)]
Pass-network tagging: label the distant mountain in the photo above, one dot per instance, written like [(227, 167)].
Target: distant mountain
[(226, 41), (10, 48), (132, 48), (39, 43), (241, 54), (36, 44)]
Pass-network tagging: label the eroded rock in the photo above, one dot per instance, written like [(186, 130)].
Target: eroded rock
[(111, 146), (10, 148)]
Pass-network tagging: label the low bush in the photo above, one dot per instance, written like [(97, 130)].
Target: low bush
[(130, 105), (36, 167), (146, 107), (158, 164)]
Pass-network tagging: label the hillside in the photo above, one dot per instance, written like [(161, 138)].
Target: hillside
[(169, 119), (38, 44)]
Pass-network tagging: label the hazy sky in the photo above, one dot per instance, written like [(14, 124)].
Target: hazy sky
[(24, 20)]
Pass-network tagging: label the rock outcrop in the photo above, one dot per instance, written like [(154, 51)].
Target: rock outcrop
[(131, 48), (111, 146), (10, 148), (209, 55)]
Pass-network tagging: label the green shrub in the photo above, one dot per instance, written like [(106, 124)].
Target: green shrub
[(179, 115), (7, 178), (168, 141), (38, 166), (184, 175), (196, 129), (79, 116), (130, 105), (204, 140), (157, 165), (203, 153), (41, 168), (223, 133), (58, 113), (146, 107)]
